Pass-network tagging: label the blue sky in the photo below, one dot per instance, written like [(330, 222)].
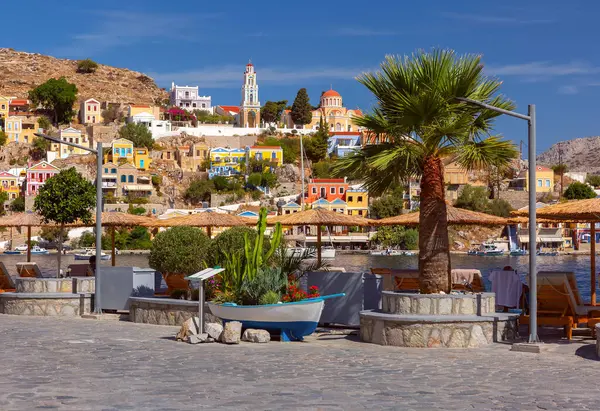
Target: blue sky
[(544, 51)]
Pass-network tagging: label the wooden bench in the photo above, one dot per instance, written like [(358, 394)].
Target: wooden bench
[(7, 283)]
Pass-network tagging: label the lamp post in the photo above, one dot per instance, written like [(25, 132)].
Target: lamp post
[(98, 152), (530, 118)]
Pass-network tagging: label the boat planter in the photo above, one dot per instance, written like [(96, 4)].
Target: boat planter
[(176, 282), (293, 320)]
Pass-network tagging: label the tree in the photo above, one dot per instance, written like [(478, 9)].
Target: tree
[(560, 169), (54, 234), (3, 138), (198, 191), (3, 199), (473, 198), (389, 205), (322, 169), (271, 111), (58, 96), (112, 114), (86, 66), (179, 250), (593, 180), (44, 123), (39, 148), (316, 146), (18, 205), (397, 236), (290, 147), (499, 207), (418, 111), (221, 183), (138, 134), (579, 191), (301, 108), (64, 199)]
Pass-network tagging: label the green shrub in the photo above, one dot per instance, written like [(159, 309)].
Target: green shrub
[(86, 66), (230, 240), (270, 297), (179, 250)]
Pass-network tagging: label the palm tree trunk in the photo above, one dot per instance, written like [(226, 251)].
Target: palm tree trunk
[(434, 250), (59, 247)]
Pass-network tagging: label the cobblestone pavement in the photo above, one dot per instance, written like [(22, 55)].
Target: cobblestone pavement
[(77, 364)]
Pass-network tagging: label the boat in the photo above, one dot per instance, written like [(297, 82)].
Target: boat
[(12, 252), (89, 252), (547, 253), (22, 247), (293, 320), (39, 250), (327, 252), (486, 249), (518, 252), (388, 251)]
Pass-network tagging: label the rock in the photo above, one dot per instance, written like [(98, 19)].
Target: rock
[(188, 328), (210, 340), (256, 336), (214, 330), (198, 338), (232, 332)]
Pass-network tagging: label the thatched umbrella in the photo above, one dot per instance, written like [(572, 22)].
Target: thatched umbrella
[(320, 217), (28, 220), (456, 216), (584, 211), (206, 219)]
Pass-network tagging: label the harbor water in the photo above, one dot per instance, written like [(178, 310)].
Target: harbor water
[(579, 264)]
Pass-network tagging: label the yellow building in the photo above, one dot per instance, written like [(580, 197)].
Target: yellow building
[(141, 158), (332, 110), (21, 129), (4, 106), (71, 135), (121, 151), (9, 183), (544, 178), (357, 201), (226, 161), (90, 112), (290, 208), (135, 109), (273, 154), (338, 205)]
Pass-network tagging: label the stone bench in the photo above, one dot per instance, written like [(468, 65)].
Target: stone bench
[(165, 311), (46, 304)]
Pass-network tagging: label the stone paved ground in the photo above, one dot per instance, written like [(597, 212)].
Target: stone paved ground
[(77, 364)]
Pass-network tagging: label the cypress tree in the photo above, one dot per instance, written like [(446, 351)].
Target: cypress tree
[(301, 109)]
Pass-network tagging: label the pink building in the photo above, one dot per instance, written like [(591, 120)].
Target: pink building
[(37, 176)]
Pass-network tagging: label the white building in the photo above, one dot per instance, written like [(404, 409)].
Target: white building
[(187, 98), (156, 127)]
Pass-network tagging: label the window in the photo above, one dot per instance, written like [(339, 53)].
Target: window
[(113, 171), (341, 190), (539, 182), (106, 170), (89, 109), (203, 105), (314, 190), (88, 118), (3, 106), (123, 179), (187, 94), (332, 190), (547, 183), (9, 126), (129, 151), (187, 104), (359, 199), (350, 199), (130, 179), (193, 104)]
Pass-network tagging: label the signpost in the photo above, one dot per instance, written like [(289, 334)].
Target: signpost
[(203, 275)]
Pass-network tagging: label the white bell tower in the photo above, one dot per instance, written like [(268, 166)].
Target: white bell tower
[(250, 110)]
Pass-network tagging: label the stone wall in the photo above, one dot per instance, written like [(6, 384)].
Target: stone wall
[(165, 311), (55, 285), (438, 304), (45, 304)]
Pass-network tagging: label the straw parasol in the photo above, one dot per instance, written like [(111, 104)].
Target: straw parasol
[(207, 219), (320, 217), (585, 211), (456, 216)]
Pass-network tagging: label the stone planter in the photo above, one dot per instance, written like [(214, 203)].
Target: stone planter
[(165, 311), (437, 320)]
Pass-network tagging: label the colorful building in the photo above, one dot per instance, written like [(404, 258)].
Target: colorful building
[(342, 143), (358, 202), (338, 205), (130, 183), (71, 135), (194, 157), (135, 109), (272, 154), (110, 179), (4, 109), (121, 151), (226, 162), (290, 208), (250, 107), (544, 178), (18, 106), (90, 112), (141, 158), (332, 110), (37, 176), (9, 183), (327, 188)]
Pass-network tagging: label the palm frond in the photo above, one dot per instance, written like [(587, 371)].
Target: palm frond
[(488, 152)]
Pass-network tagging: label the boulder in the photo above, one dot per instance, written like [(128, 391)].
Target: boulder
[(188, 328), (214, 330), (256, 336), (198, 338), (232, 332)]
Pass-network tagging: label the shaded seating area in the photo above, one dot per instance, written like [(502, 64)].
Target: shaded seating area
[(29, 269), (7, 284)]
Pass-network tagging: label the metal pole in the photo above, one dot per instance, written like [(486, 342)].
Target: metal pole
[(593, 262), (302, 173), (28, 243), (533, 335), (201, 307), (97, 304)]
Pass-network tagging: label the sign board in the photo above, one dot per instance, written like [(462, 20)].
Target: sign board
[(205, 274)]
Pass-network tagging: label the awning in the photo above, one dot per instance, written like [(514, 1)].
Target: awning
[(550, 239), (138, 187), (525, 239)]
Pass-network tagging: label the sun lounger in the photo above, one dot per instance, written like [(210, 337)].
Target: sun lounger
[(559, 302), (408, 280), (29, 270), (7, 283)]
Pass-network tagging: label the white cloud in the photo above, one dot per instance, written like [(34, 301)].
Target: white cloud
[(363, 32), (543, 69), (121, 28), (489, 19), (568, 90), (230, 76)]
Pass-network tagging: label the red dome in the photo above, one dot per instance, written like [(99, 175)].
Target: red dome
[(331, 93)]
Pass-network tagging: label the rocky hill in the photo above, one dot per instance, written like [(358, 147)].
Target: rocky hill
[(21, 71), (579, 154)]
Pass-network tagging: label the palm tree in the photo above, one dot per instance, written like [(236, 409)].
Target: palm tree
[(422, 122)]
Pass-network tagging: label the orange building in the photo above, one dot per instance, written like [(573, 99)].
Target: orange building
[(328, 188)]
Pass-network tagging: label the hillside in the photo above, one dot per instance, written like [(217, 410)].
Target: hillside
[(21, 71), (580, 154)]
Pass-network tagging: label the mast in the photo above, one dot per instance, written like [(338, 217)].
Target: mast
[(302, 173)]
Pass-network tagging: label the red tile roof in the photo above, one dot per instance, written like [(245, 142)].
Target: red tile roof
[(19, 102), (542, 168), (357, 112), (234, 109), (331, 93), (327, 180), (266, 147)]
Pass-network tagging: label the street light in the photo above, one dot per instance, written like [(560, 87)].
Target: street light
[(98, 152), (530, 118)]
